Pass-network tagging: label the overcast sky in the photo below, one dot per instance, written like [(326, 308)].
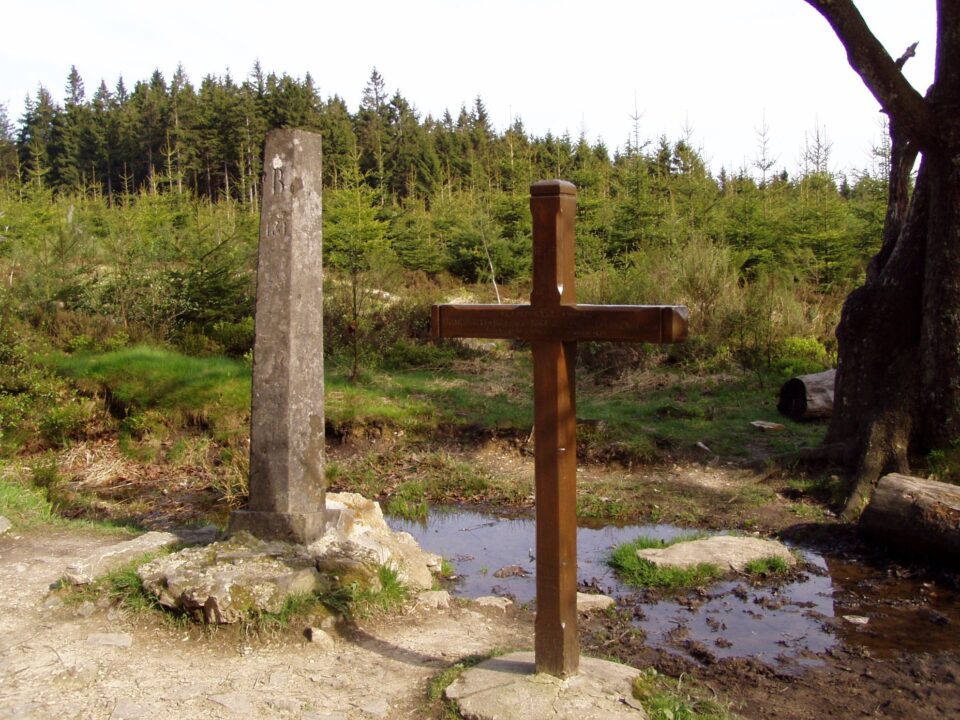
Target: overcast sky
[(716, 68)]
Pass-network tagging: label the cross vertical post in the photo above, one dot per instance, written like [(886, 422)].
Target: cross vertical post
[(553, 205), (553, 322)]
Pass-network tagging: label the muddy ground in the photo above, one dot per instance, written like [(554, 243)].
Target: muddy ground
[(54, 662)]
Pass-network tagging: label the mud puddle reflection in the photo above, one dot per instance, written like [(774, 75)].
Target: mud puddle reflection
[(833, 601)]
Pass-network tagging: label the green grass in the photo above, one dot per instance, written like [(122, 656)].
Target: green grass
[(644, 574), (447, 568), (826, 489), (33, 494), (411, 480), (25, 506), (355, 600), (409, 501), (418, 402), (153, 387), (298, 611), (666, 698), (772, 565), (122, 586), (389, 597), (439, 683), (714, 411)]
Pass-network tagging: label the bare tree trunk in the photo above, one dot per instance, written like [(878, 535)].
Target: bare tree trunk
[(898, 375)]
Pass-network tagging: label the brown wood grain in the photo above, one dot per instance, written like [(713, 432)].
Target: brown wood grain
[(554, 323)]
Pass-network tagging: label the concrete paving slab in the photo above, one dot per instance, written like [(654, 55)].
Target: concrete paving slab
[(508, 687)]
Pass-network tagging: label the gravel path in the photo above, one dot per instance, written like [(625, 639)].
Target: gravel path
[(59, 661)]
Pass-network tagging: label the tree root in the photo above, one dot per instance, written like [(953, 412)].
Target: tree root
[(837, 453), (884, 450)]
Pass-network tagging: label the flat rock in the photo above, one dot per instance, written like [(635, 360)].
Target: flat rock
[(728, 552), (434, 599), (376, 708), (236, 702), (120, 640), (225, 581), (508, 687), (4, 525), (114, 556), (319, 637), (289, 706), (494, 601), (589, 602), (127, 709)]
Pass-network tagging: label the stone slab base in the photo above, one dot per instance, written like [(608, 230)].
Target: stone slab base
[(507, 687), (298, 528)]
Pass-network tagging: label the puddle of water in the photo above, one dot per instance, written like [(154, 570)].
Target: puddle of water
[(788, 622), (737, 619), (480, 544), (905, 614)]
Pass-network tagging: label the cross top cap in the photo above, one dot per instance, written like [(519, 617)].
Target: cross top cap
[(547, 188)]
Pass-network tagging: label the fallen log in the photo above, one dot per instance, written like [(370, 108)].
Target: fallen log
[(916, 515), (808, 397)]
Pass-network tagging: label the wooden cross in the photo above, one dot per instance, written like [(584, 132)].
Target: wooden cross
[(554, 323)]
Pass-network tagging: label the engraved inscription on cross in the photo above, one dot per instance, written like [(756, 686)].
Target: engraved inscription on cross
[(554, 323)]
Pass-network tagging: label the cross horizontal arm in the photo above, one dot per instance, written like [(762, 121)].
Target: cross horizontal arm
[(624, 323)]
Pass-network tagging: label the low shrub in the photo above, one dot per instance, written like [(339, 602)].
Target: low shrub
[(63, 423)]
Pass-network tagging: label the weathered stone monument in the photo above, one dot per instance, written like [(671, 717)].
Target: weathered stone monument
[(296, 548), (553, 322), (287, 486)]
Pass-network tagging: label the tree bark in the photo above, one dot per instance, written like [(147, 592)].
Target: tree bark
[(898, 372)]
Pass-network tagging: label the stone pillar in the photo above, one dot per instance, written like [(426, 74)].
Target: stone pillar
[(287, 485)]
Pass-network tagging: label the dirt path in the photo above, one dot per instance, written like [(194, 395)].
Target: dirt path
[(54, 663)]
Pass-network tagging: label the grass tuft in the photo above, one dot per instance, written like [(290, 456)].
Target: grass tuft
[(355, 601), (298, 610), (643, 573), (122, 586), (24, 505), (447, 710), (772, 565), (665, 698)]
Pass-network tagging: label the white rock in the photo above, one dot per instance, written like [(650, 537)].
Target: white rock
[(111, 557), (358, 535), (856, 619), (237, 702), (588, 602), (127, 709), (377, 708), (4, 525), (120, 640), (320, 638), (435, 599), (728, 552), (494, 601), (224, 581), (86, 609)]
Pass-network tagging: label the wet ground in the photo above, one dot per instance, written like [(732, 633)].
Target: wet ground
[(833, 604)]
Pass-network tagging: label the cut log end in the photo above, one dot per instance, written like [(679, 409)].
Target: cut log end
[(808, 397)]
